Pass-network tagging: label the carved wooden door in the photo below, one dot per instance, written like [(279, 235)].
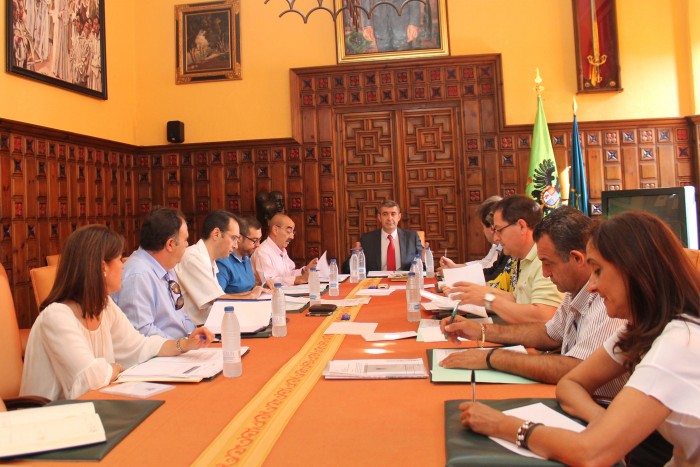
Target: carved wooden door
[(410, 156)]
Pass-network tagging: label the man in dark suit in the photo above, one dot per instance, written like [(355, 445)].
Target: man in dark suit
[(389, 254)]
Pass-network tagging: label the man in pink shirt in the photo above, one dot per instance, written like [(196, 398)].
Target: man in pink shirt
[(271, 261)]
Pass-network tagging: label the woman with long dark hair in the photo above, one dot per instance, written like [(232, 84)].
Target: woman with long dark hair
[(81, 339), (643, 274)]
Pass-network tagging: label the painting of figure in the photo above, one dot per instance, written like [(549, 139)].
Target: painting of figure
[(59, 42)]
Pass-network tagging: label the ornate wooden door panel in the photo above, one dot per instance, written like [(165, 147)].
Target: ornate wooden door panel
[(408, 156)]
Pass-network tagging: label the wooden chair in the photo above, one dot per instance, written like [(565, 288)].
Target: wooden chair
[(42, 282), (52, 260), (11, 352)]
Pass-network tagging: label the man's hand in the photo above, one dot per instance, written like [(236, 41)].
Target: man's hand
[(468, 359), (462, 327), (468, 293)]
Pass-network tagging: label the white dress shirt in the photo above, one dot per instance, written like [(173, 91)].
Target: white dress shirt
[(197, 276), (271, 262)]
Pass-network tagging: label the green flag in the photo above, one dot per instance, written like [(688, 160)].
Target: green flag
[(543, 177)]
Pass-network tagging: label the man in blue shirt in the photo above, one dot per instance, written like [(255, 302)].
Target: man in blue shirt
[(150, 295), (236, 274)]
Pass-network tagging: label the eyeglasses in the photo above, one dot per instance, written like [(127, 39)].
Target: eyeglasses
[(174, 287), (500, 231), (252, 240)]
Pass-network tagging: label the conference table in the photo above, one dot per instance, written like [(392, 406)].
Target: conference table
[(282, 412)]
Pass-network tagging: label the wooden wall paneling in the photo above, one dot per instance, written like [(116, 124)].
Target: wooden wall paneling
[(217, 180)]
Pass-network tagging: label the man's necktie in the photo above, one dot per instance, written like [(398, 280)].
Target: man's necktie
[(390, 255)]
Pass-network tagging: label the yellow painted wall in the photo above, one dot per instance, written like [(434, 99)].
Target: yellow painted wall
[(34, 102), (659, 47)]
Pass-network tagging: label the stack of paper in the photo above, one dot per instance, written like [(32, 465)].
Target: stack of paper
[(190, 367), (49, 428), (252, 315), (375, 369), (470, 273), (139, 389), (441, 303)]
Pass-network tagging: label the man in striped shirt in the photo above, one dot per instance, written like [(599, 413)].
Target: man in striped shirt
[(579, 326)]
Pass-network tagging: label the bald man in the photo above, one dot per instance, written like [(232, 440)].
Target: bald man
[(271, 261)]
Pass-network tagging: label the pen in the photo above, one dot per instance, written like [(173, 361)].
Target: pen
[(445, 252), (454, 313), (473, 387)]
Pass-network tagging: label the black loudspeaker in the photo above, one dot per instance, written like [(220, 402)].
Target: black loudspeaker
[(176, 131)]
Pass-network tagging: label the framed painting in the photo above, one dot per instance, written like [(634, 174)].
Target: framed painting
[(58, 42), (208, 41), (597, 57), (391, 29)]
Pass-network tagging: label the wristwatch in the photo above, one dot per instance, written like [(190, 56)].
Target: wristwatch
[(488, 301)]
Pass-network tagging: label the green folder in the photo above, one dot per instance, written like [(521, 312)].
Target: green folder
[(439, 374), (119, 418)]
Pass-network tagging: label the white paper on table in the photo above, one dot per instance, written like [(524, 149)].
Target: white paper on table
[(403, 287), (299, 289), (388, 336), (351, 328), (470, 273), (428, 323), (375, 369), (374, 292), (346, 301), (432, 334), (538, 413), (380, 273), (252, 315)]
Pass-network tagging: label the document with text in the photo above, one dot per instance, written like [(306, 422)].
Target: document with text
[(376, 369)]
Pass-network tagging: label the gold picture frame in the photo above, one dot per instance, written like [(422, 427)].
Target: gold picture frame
[(378, 32), (208, 41)]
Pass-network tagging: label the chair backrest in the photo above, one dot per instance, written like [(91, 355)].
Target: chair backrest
[(52, 260), (694, 256), (421, 235), (42, 282), (10, 347)]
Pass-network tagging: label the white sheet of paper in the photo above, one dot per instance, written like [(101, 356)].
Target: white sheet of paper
[(323, 268), (375, 369), (440, 302), (299, 289), (432, 334), (388, 336), (347, 301), (351, 328), (470, 273), (251, 314), (374, 292), (538, 413), (379, 273)]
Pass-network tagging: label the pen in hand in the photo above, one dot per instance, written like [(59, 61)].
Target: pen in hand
[(473, 387), (454, 313)]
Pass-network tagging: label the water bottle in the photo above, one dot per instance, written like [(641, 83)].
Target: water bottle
[(314, 287), (362, 265), (354, 267), (419, 271), (333, 289), (413, 297), (279, 312), (429, 263), (231, 344)]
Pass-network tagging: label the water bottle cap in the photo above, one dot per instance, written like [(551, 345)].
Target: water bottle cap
[(362, 250), (411, 274), (228, 309), (313, 269), (333, 261), (277, 285), (414, 262)]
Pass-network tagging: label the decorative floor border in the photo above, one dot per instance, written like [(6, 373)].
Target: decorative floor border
[(249, 437)]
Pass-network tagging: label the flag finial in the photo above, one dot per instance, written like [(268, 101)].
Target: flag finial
[(575, 106), (538, 83)]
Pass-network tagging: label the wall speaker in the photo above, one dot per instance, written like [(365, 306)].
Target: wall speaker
[(176, 131)]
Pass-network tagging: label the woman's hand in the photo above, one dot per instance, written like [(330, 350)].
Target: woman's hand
[(200, 337), (483, 419), (116, 370)]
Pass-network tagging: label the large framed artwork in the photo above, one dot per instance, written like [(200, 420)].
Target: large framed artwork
[(58, 42), (208, 41), (597, 56), (373, 29)]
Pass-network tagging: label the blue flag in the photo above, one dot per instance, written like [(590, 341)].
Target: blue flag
[(578, 192)]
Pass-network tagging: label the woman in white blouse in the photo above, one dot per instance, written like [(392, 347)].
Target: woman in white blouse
[(81, 339), (640, 269)]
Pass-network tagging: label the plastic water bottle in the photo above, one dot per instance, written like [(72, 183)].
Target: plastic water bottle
[(279, 312), (231, 344), (429, 263), (354, 267), (412, 297), (419, 271), (362, 265), (314, 287), (333, 289)]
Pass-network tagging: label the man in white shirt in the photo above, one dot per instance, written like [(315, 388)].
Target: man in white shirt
[(197, 269), (271, 261)]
